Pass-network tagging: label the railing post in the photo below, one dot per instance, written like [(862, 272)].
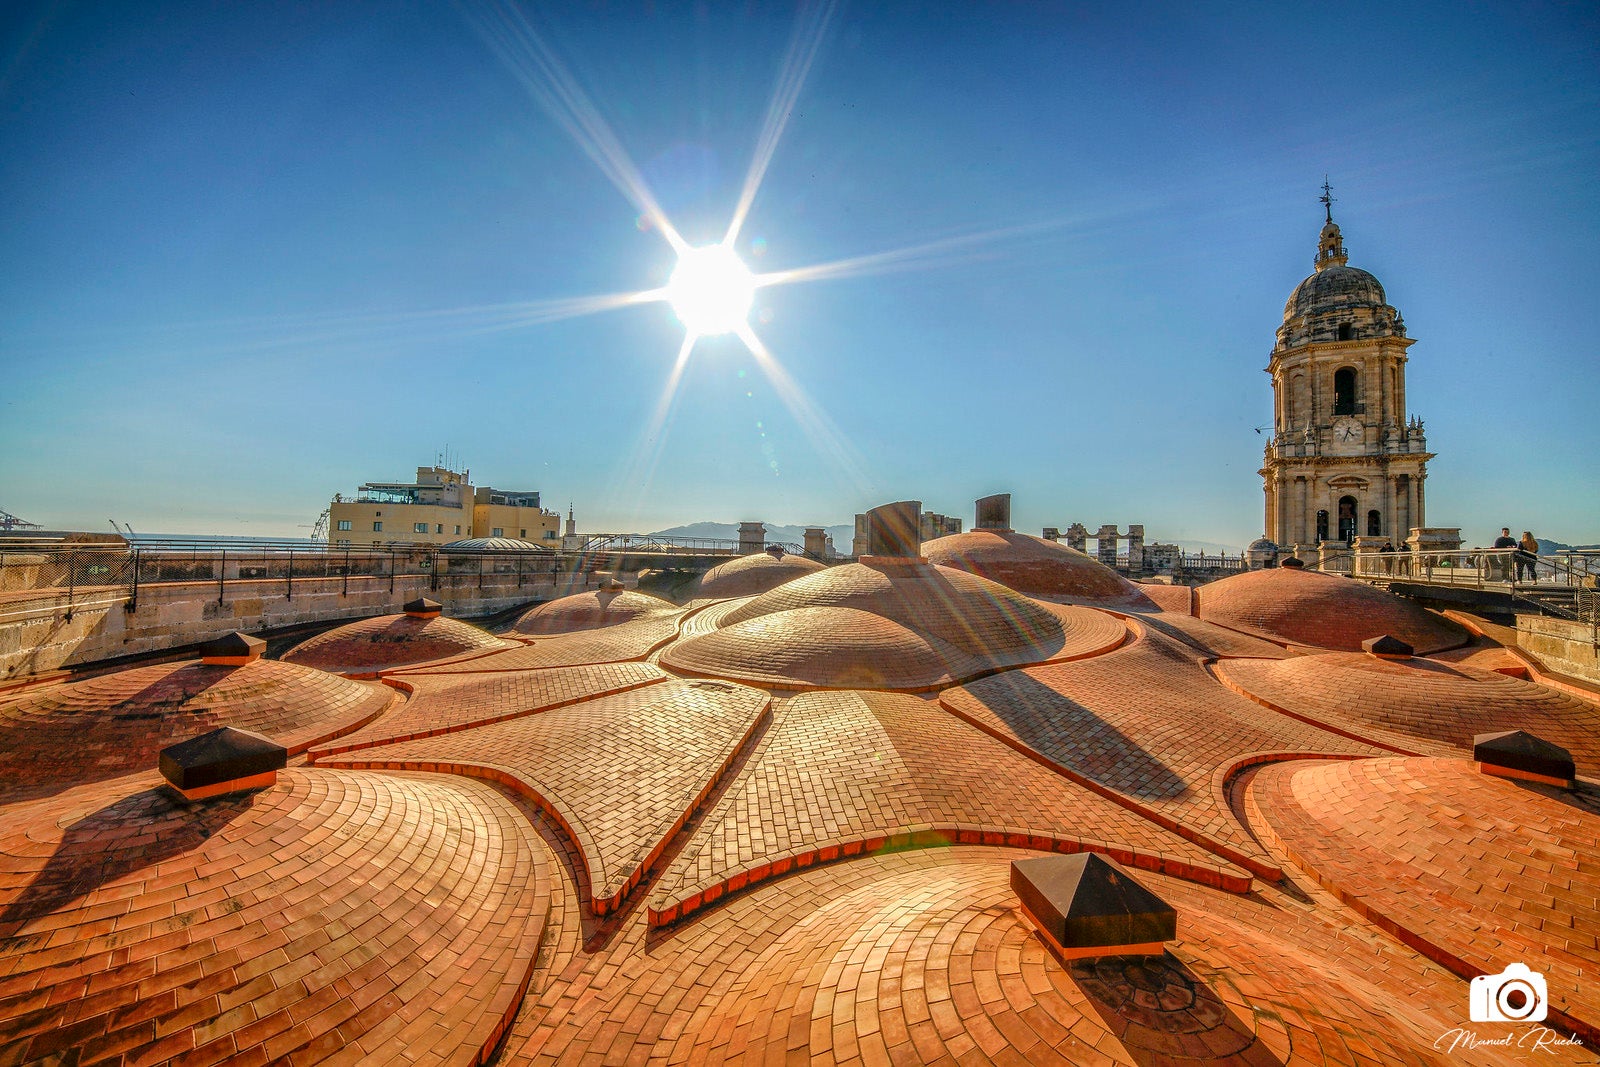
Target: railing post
[(133, 593), (222, 575), (72, 579), (288, 581), (345, 590)]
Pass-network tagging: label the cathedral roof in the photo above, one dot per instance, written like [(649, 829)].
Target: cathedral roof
[(1334, 287)]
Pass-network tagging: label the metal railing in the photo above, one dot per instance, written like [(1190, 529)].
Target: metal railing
[(68, 577), (1561, 583)]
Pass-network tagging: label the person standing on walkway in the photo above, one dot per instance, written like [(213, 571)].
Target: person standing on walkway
[(1528, 555), (1502, 560)]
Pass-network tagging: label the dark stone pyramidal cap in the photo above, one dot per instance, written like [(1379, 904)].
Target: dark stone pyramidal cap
[(226, 760), (422, 608), (232, 649), (1518, 754), (1089, 905), (1386, 647)]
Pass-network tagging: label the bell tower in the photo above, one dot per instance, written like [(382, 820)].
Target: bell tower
[(1345, 459)]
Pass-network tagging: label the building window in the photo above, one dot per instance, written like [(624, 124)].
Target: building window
[(1374, 523), (419, 527), (523, 534), (439, 528), (497, 532), (1344, 391), (1347, 519), (344, 524), (1322, 525), (458, 530), (377, 527), (341, 543), (549, 535), (1347, 332)]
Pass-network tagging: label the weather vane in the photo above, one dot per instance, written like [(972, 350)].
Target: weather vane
[(1327, 198)]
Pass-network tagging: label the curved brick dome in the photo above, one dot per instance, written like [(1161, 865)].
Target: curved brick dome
[(589, 611), (391, 641), (114, 724), (835, 648), (908, 627), (973, 614), (1305, 608), (1031, 565), (1423, 698), (332, 914), (753, 574), (1483, 871)]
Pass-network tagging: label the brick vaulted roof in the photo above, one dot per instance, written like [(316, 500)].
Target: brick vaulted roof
[(1322, 611), (753, 574), (109, 725), (779, 827), (1033, 566), (373, 645)]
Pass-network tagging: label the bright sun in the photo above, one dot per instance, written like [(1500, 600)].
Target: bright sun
[(710, 290)]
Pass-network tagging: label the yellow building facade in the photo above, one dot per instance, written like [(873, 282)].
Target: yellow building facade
[(441, 506)]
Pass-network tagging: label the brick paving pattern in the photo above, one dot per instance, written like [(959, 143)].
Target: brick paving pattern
[(1474, 871), (1178, 599), (620, 774), (1399, 701), (838, 774), (921, 957), (1147, 724), (106, 726), (1034, 566), (1321, 611), (753, 574), (588, 611), (612, 644), (438, 704), (1210, 640), (330, 918), (372, 645), (707, 615)]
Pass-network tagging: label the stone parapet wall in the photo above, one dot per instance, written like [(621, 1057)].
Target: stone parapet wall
[(43, 635), (1562, 645)]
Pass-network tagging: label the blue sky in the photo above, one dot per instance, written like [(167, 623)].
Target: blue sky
[(253, 255)]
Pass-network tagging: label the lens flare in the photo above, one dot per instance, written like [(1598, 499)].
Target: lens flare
[(711, 290)]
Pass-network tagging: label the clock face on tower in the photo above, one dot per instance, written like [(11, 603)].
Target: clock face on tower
[(1347, 434)]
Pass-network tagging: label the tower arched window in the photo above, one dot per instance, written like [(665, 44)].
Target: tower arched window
[(1374, 523), (1322, 525), (1344, 391)]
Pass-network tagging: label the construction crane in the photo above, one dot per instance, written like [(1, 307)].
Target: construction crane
[(9, 521)]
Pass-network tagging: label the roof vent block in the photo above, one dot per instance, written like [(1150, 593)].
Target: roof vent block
[(232, 650), (422, 608), (1087, 905), (226, 760), (1518, 754)]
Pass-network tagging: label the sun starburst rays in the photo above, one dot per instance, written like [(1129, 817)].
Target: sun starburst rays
[(711, 289)]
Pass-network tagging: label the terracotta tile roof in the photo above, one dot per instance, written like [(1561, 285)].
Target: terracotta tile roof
[(1146, 725), (332, 914), (1034, 566), (1321, 610), (1473, 871), (110, 725), (609, 644), (841, 774), (753, 574), (1400, 701), (620, 774), (387, 641), (589, 611)]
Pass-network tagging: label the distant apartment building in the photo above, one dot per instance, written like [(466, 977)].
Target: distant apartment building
[(441, 506)]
